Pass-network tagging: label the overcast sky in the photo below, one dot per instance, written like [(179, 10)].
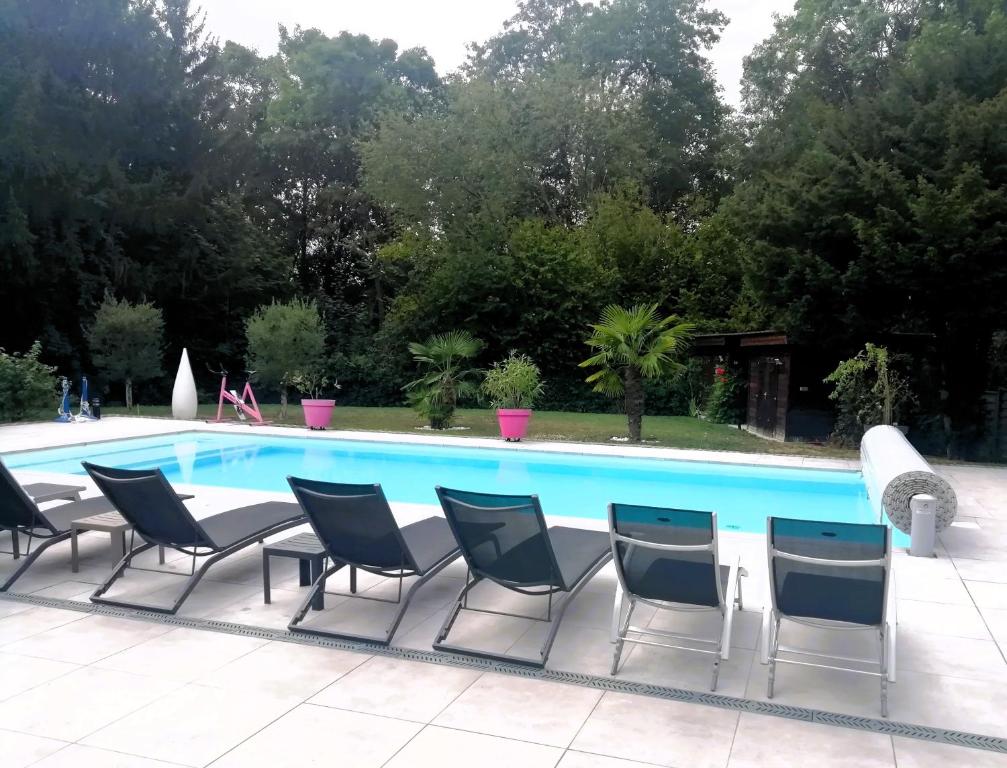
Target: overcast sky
[(444, 27)]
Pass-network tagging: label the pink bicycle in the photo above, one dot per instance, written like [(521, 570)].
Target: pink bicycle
[(244, 412)]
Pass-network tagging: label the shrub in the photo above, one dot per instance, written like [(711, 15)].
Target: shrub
[(724, 402), (445, 380), (284, 341), (867, 392), (126, 342), (513, 383), (631, 346), (26, 385)]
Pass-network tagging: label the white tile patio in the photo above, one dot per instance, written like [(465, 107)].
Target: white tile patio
[(79, 689)]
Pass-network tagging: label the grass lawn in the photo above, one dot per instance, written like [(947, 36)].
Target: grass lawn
[(666, 431)]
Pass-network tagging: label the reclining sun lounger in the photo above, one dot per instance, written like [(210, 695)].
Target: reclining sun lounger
[(832, 576), (668, 559), (357, 528), (145, 499), (505, 539), (19, 514)]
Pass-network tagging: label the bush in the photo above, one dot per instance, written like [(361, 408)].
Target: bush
[(445, 380), (26, 385), (285, 341), (868, 391), (513, 383), (725, 400), (126, 341)]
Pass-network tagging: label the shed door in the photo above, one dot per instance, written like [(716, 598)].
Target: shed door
[(769, 395)]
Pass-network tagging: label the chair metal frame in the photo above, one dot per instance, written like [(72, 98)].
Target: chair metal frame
[(47, 540), (623, 631), (772, 618), (474, 576), (401, 572), (40, 528), (213, 554)]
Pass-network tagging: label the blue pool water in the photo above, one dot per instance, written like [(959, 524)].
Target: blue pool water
[(568, 484)]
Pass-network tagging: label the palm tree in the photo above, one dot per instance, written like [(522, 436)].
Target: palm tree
[(632, 345), (446, 380)]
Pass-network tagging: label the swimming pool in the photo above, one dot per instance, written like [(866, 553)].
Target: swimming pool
[(568, 484)]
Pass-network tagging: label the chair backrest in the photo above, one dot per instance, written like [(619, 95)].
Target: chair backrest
[(666, 555), (503, 538), (145, 498), (354, 523), (831, 571), (17, 510)]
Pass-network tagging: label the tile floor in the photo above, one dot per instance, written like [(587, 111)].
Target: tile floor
[(81, 690)]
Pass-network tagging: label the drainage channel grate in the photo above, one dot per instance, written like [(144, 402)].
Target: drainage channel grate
[(874, 725)]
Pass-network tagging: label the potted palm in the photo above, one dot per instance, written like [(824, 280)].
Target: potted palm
[(445, 376), (631, 345), (317, 410), (513, 385)]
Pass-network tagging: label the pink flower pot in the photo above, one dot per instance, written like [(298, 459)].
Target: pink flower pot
[(317, 413), (513, 422)]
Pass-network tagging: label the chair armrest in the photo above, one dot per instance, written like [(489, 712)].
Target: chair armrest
[(730, 595)]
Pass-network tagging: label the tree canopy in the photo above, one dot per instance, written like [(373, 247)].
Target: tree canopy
[(582, 157)]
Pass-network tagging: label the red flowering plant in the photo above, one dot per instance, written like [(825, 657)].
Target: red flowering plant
[(724, 402)]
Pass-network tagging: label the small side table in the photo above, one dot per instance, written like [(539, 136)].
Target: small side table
[(310, 553), (109, 522), (40, 493)]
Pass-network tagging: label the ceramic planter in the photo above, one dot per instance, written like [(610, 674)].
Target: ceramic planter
[(317, 413), (513, 422)]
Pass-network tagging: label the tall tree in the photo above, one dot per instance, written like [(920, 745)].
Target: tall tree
[(127, 342), (631, 345), (884, 210)]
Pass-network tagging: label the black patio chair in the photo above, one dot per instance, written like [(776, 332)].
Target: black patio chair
[(669, 559), (146, 500), (357, 528), (21, 516), (505, 540), (834, 576)]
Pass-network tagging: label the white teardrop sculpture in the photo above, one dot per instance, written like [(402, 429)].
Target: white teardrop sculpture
[(183, 394)]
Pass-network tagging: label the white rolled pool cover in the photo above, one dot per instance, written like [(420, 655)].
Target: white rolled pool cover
[(894, 472)]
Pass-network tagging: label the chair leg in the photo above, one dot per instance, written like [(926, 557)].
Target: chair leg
[(309, 600), (449, 620), (617, 606), (315, 595), (621, 635), (774, 650), (31, 557), (884, 671), (266, 589), (74, 555)]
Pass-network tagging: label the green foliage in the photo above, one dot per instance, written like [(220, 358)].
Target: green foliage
[(445, 380), (876, 189), (513, 383), (127, 342), (868, 391), (26, 384), (312, 383), (725, 399), (581, 158), (632, 345), (286, 341)]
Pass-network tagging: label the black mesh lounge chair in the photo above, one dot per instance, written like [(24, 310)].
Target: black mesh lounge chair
[(505, 539), (668, 559), (20, 515), (357, 528), (146, 500), (834, 576)]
